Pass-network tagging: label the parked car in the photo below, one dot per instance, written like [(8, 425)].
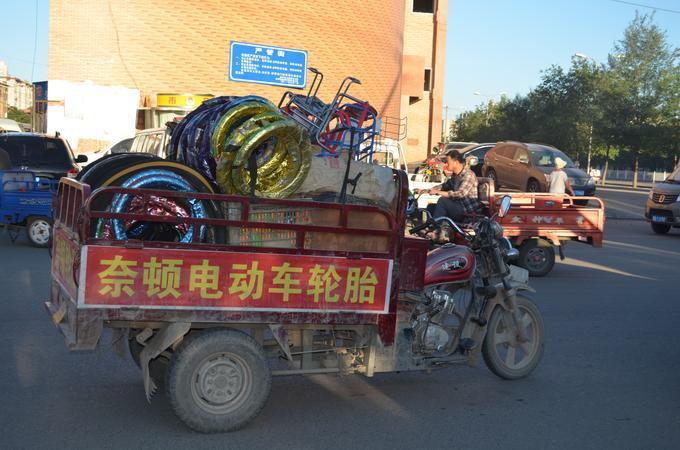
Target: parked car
[(119, 146), (7, 125), (475, 154), (389, 153), (457, 146), (663, 204), (154, 141), (527, 167), (47, 156)]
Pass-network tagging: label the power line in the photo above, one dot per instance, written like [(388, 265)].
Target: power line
[(120, 53), (28, 61), (35, 41), (647, 6)]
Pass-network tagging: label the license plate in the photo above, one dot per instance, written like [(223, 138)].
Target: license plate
[(580, 193), (659, 219)]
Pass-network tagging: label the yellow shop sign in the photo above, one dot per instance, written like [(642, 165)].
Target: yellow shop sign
[(181, 101)]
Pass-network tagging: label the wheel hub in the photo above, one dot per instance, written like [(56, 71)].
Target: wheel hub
[(40, 232), (220, 383), (536, 257)]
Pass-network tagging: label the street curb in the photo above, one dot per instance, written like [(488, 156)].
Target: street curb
[(636, 219)]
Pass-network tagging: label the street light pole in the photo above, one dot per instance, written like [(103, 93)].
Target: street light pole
[(445, 123)]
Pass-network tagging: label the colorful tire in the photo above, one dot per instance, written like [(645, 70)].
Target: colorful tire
[(286, 178)]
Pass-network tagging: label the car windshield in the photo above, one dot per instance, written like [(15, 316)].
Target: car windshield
[(545, 157), (675, 176), (36, 151)]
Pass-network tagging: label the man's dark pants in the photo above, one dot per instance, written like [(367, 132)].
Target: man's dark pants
[(450, 207)]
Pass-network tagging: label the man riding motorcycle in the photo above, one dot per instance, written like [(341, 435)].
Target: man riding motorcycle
[(458, 195)]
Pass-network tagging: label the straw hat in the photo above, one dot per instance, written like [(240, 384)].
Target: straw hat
[(560, 163)]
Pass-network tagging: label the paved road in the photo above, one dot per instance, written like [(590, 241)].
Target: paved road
[(610, 377)]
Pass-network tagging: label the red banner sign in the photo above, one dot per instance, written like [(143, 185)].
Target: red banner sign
[(187, 279)]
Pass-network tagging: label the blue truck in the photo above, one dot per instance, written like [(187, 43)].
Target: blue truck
[(26, 202)]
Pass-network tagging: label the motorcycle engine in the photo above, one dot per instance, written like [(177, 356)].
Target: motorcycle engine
[(436, 337), (436, 325)]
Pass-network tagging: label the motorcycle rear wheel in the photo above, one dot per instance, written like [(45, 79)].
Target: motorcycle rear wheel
[(503, 354)]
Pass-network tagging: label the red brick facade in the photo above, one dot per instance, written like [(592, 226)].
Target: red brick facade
[(182, 46)]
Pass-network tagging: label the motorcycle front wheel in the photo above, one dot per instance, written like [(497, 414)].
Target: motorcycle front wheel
[(503, 353)]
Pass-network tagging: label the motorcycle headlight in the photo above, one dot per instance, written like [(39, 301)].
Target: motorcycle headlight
[(507, 249)]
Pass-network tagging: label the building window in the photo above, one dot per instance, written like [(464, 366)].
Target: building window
[(428, 80), (423, 6)]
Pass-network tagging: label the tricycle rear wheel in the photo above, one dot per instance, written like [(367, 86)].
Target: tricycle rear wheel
[(537, 256), (39, 230), (218, 380)]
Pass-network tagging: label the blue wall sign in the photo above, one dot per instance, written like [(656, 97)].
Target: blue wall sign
[(40, 90), (264, 64)]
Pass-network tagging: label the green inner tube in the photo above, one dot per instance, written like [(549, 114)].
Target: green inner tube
[(272, 153), (231, 119), (277, 180)]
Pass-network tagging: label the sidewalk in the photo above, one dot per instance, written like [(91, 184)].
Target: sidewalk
[(626, 185)]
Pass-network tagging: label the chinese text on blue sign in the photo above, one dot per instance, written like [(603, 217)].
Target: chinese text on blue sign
[(263, 64)]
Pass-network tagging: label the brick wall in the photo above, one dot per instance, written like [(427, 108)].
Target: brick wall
[(183, 45), (424, 38)]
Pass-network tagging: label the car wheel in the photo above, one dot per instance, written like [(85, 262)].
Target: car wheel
[(491, 174), (660, 228), (533, 186)]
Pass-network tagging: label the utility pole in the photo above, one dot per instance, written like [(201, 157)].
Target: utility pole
[(590, 147)]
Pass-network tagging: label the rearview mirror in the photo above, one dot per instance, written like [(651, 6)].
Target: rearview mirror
[(505, 206), (81, 159), (473, 161)]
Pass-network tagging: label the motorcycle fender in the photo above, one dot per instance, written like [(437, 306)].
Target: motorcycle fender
[(522, 286), (516, 286)]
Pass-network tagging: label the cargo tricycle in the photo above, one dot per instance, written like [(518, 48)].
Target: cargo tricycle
[(283, 287), (26, 203)]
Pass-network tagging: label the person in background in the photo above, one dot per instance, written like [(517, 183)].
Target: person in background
[(458, 195), (559, 182)]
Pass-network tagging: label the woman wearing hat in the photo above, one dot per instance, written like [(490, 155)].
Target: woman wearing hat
[(559, 182)]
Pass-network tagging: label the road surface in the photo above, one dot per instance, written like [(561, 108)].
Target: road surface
[(610, 377)]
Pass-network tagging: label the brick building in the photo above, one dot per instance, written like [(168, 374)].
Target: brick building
[(395, 47)]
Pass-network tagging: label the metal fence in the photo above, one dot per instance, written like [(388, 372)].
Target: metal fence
[(644, 175)]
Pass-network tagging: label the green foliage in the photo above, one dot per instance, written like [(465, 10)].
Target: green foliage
[(626, 108), (18, 115)]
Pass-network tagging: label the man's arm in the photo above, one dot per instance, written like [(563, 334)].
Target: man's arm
[(567, 185), (438, 187), (466, 188)]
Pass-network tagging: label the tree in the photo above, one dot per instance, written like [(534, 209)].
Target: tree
[(18, 115), (640, 97), (628, 108)]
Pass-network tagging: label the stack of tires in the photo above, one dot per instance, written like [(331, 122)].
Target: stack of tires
[(244, 145)]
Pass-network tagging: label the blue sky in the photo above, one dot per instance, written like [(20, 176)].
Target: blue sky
[(496, 46), (492, 46)]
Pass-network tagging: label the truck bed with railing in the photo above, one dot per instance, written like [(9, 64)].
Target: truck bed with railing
[(265, 261)]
